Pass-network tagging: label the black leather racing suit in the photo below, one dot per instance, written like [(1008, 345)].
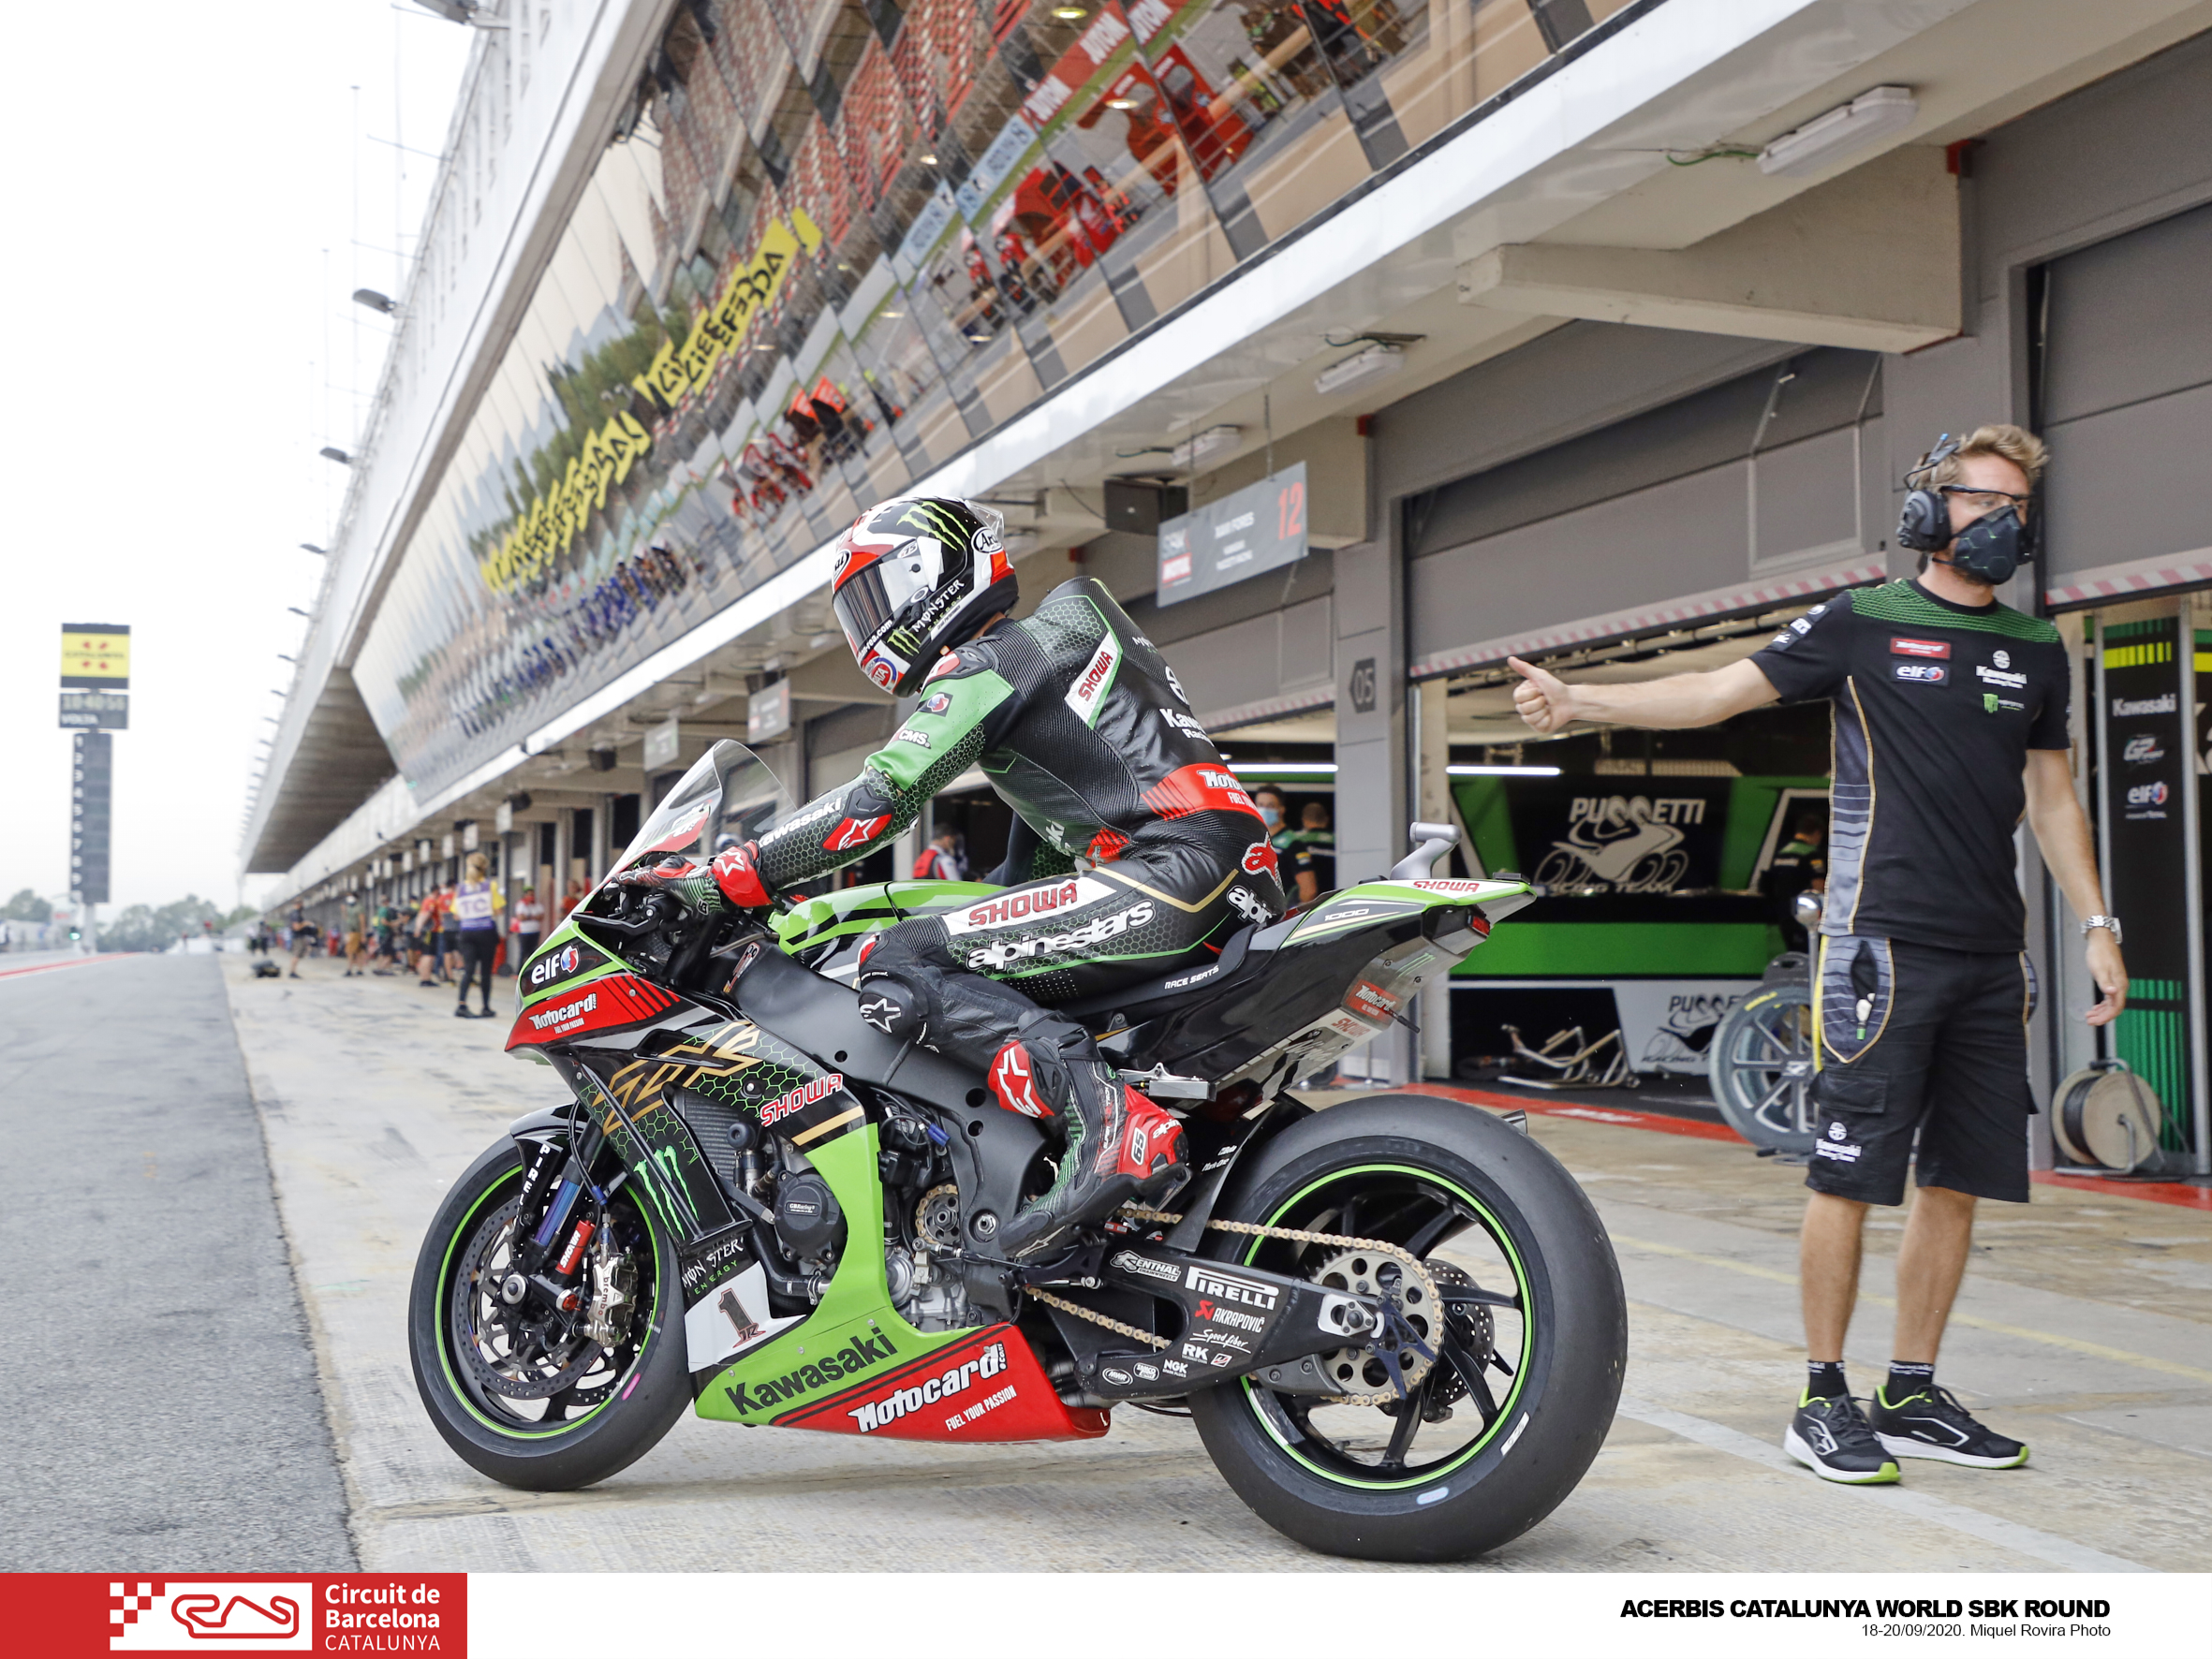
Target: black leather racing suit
[(1144, 852)]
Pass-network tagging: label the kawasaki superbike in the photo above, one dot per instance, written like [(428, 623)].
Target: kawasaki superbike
[(1396, 1323)]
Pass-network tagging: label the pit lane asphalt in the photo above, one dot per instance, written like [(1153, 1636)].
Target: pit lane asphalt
[(160, 1399), (2085, 1327)]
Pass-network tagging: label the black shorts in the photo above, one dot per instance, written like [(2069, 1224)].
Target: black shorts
[(1919, 1040)]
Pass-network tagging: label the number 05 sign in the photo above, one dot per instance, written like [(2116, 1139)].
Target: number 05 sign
[(1258, 528)]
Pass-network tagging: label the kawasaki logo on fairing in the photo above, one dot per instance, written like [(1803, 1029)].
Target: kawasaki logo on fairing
[(957, 1380), (854, 1358)]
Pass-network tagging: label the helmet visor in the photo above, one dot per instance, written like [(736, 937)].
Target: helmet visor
[(866, 600)]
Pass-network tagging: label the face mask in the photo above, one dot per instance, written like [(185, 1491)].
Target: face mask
[(1269, 817), (1990, 548)]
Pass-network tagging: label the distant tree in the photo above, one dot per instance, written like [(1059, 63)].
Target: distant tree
[(144, 928), (27, 906)]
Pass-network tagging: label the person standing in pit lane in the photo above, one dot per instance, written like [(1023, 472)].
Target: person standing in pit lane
[(477, 904), (1957, 707), (528, 928)]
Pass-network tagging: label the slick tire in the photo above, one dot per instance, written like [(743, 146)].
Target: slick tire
[(646, 1403), (1547, 1430)]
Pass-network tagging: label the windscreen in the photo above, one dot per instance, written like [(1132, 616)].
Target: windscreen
[(728, 793)]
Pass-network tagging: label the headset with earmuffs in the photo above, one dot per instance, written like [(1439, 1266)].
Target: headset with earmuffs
[(1924, 524)]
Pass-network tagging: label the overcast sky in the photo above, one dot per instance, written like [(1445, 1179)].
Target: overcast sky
[(189, 186)]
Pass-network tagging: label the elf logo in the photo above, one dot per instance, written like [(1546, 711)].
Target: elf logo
[(1088, 693), (2147, 795), (860, 1354), (1924, 673)]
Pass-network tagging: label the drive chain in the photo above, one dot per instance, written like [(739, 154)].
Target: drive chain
[(1412, 1265)]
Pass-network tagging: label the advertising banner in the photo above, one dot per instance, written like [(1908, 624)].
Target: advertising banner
[(95, 656), (2148, 752), (1596, 837), (1258, 528)]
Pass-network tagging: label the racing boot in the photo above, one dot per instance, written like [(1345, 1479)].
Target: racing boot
[(1119, 1146)]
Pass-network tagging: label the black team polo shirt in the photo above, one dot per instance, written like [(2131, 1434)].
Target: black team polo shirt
[(1935, 706)]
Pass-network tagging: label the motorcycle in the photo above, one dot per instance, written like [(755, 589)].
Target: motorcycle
[(1396, 1323)]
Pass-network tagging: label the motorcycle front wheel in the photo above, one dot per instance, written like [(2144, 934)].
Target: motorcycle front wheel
[(1529, 1331), (517, 1396)]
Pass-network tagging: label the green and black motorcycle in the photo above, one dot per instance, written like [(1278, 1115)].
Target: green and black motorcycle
[(1397, 1323)]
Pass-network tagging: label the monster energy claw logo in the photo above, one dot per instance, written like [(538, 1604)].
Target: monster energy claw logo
[(932, 519)]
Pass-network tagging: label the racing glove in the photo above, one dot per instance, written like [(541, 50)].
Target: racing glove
[(737, 873)]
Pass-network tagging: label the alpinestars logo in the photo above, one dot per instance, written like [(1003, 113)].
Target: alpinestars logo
[(1258, 857), (958, 1380), (1002, 953), (559, 1017), (860, 1354), (799, 1100), (881, 1012), (1014, 1082), (854, 832), (1249, 904)]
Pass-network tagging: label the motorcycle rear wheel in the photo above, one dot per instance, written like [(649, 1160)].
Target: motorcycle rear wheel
[(596, 1429), (1527, 1274)]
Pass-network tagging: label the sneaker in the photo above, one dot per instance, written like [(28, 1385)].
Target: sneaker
[(1933, 1424), (1830, 1437)]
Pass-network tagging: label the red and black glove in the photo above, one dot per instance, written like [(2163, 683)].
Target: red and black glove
[(737, 873)]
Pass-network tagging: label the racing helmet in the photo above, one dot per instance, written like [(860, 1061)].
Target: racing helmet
[(912, 576)]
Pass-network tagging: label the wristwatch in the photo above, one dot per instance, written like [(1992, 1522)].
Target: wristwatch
[(2111, 924)]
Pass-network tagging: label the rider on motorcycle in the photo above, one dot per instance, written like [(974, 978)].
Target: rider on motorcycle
[(1134, 849)]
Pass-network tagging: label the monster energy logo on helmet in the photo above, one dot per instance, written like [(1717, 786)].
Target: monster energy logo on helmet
[(932, 518)]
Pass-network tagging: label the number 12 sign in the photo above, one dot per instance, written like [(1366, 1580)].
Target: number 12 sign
[(1258, 528)]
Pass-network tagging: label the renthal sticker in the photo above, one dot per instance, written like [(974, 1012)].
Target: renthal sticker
[(1210, 1309), (1003, 953), (1222, 1287), (1128, 1261), (920, 739), (799, 1100), (1258, 857), (863, 1353), (1087, 695), (854, 832), (1025, 903), (1926, 674), (568, 1016), (1938, 648), (956, 1381)]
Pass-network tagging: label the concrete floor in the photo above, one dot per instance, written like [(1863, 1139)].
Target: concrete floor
[(2085, 1328)]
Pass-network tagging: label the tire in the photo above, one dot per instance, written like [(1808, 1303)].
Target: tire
[(1760, 1062), (646, 1393), (1410, 1164)]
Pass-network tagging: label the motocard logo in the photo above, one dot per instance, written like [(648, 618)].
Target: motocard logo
[(1258, 857), (1088, 693), (1128, 1261), (956, 1381), (568, 1016), (1926, 674), (799, 1100), (2123, 708), (1923, 648), (2147, 795), (1221, 1288), (1371, 1000)]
